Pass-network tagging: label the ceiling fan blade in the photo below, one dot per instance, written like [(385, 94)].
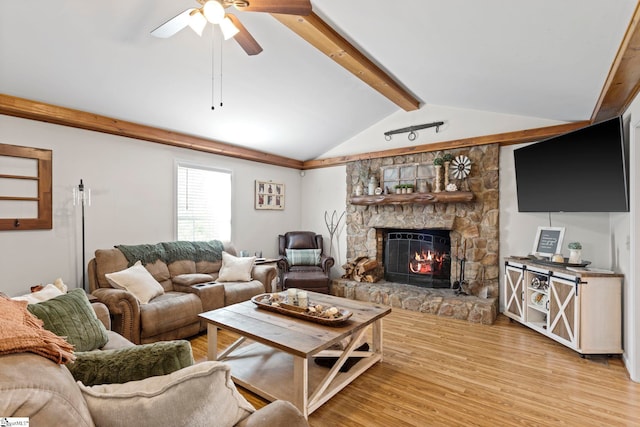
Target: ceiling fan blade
[(173, 25), (287, 7), (244, 38)]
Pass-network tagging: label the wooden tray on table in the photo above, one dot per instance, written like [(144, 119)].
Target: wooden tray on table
[(277, 302)]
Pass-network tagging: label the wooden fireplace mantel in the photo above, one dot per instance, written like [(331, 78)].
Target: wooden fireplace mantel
[(417, 198)]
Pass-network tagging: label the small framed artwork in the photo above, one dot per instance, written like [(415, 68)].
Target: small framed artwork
[(548, 241), (269, 195)]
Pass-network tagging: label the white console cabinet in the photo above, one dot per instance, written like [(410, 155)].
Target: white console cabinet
[(581, 310)]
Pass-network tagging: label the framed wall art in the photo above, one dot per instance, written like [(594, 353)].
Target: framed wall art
[(548, 241), (269, 195)]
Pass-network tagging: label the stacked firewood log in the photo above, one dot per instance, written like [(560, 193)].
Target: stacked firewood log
[(362, 269)]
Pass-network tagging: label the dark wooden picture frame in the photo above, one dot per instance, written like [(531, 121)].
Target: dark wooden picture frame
[(43, 198)]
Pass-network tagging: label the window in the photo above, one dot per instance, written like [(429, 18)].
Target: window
[(203, 203)]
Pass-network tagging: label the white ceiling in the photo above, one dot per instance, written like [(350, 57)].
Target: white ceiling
[(542, 59)]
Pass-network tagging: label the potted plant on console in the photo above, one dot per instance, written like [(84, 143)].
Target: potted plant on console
[(575, 252)]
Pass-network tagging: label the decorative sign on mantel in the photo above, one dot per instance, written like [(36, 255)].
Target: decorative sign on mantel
[(269, 195)]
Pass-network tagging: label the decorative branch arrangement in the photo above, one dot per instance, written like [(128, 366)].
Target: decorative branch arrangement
[(332, 225)]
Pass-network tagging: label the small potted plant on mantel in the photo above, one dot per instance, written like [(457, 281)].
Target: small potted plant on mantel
[(575, 252)]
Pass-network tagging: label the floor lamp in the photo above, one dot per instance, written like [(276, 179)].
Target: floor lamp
[(82, 197)]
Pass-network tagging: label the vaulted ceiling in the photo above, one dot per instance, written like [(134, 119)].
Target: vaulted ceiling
[(542, 61)]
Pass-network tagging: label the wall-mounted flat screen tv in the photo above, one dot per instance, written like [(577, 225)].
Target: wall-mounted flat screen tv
[(580, 171)]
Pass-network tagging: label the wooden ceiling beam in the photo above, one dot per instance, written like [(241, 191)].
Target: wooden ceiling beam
[(24, 108), (508, 138), (319, 34), (623, 81)]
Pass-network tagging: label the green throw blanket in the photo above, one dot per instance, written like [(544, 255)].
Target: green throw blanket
[(173, 251)]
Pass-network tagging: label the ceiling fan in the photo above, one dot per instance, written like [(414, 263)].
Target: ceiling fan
[(214, 11)]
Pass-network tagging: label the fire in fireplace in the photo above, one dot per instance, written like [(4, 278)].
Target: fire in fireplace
[(418, 257)]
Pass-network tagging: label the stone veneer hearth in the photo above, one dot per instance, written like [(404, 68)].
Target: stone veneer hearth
[(475, 223)]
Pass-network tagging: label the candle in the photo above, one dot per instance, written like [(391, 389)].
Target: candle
[(464, 249), (291, 295), (302, 299)]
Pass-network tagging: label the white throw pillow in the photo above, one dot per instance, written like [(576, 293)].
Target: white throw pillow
[(235, 269), (137, 280), (199, 395)]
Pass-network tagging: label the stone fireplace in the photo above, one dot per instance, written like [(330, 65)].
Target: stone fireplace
[(471, 228)]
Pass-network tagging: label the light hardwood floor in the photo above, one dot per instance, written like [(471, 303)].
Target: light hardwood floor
[(442, 372)]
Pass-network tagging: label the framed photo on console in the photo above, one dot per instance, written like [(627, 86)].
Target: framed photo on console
[(548, 241), (269, 195)]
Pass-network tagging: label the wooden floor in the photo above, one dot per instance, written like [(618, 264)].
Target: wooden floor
[(443, 372)]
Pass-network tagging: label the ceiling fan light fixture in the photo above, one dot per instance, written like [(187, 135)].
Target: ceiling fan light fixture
[(213, 11), (228, 28), (197, 22)]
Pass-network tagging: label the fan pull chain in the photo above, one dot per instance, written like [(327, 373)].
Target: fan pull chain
[(221, 66), (213, 67)]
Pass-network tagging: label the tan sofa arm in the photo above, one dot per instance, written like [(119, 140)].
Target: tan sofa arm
[(265, 274), (276, 414), (125, 312), (103, 314)]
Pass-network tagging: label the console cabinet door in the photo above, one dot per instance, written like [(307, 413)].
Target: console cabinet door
[(564, 311), (514, 292)]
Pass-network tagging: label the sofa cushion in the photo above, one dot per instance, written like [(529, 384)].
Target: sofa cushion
[(235, 269), (192, 279), (235, 292), (70, 315), (303, 256), (35, 387), (137, 280), (168, 312), (131, 363), (183, 266), (203, 392)]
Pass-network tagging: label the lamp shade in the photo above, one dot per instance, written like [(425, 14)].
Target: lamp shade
[(228, 29), (213, 11), (197, 22)]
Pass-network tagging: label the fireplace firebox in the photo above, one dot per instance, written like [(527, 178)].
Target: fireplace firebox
[(418, 257)]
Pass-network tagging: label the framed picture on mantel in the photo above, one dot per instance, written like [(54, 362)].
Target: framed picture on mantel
[(548, 241), (269, 195)]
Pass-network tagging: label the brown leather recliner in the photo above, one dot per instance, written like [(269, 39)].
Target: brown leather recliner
[(302, 240)]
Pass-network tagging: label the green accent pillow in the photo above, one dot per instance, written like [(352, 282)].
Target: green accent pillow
[(303, 256), (131, 363), (71, 316)]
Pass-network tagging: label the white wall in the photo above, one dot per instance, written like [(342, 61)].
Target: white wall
[(459, 123), (132, 184), (518, 230), (627, 238), (324, 190)]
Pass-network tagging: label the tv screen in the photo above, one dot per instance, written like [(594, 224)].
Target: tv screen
[(580, 171)]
